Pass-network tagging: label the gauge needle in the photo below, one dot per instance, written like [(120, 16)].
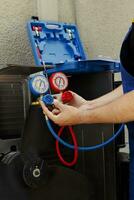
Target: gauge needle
[(60, 82), (40, 83)]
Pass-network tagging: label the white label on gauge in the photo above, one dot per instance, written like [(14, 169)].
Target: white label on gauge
[(60, 81), (40, 84)]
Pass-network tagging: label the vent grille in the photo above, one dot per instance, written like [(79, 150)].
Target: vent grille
[(12, 108)]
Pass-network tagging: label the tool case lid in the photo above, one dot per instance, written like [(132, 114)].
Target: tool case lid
[(55, 42)]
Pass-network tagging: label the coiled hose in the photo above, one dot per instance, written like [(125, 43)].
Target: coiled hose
[(80, 148)]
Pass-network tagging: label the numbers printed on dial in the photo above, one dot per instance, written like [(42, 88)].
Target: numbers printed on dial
[(60, 81), (40, 84)]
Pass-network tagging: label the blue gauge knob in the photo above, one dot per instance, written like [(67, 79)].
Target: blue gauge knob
[(48, 99), (38, 85)]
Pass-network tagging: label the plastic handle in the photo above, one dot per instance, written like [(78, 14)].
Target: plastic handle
[(56, 27)]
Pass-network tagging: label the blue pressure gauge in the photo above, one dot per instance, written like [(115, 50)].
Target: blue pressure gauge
[(38, 85)]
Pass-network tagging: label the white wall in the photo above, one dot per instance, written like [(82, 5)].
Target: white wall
[(66, 11), (14, 44), (47, 9), (102, 25)]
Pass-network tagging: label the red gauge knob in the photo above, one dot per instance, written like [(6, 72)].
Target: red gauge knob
[(58, 82), (67, 96)]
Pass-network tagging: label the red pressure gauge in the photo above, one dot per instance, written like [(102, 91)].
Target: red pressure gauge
[(58, 82)]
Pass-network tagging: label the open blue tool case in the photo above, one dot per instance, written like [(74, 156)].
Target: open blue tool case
[(59, 45)]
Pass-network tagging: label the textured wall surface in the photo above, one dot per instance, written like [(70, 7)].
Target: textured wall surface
[(47, 9), (14, 45), (56, 10), (103, 24), (66, 11)]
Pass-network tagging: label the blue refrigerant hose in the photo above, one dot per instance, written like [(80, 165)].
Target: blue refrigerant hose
[(80, 148)]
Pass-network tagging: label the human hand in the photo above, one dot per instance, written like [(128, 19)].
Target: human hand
[(68, 115), (77, 100)]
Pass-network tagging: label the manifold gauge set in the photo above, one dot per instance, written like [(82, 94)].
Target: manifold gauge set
[(43, 87)]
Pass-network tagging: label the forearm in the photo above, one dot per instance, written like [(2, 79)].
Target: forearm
[(118, 111), (107, 98)]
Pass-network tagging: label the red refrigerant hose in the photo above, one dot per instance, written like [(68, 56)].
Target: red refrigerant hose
[(73, 162)]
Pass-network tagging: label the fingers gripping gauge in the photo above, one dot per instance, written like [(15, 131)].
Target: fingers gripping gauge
[(58, 82), (39, 85)]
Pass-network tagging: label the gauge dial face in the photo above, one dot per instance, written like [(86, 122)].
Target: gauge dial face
[(59, 81), (40, 84)]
